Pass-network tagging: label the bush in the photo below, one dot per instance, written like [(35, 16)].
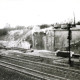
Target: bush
[(44, 26), (3, 32), (78, 23)]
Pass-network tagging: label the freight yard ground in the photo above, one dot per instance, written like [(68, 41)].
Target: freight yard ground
[(59, 66), (37, 53), (7, 74), (40, 55)]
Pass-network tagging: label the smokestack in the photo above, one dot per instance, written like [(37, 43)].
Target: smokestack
[(74, 19)]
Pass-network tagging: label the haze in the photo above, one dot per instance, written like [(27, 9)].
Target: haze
[(35, 12)]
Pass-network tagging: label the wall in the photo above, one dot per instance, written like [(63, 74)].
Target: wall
[(54, 39)]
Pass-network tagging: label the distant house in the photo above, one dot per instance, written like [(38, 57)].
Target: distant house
[(64, 26), (78, 26), (57, 26)]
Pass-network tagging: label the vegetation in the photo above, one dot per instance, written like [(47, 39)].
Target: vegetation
[(15, 28), (78, 23), (20, 27), (3, 32), (44, 26)]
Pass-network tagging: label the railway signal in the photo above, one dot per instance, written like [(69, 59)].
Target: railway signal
[(69, 39)]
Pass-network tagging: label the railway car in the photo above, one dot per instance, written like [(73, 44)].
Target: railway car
[(64, 53)]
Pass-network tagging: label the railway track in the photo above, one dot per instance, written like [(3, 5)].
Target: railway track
[(42, 59), (45, 71), (35, 74)]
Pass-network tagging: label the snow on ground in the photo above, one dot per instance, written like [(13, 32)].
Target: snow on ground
[(42, 53), (16, 38), (15, 31), (37, 29), (9, 52), (9, 44), (21, 35), (24, 44)]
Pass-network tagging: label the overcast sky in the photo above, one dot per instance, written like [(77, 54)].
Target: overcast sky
[(34, 12)]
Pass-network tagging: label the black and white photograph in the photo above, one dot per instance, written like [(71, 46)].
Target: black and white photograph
[(39, 39)]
